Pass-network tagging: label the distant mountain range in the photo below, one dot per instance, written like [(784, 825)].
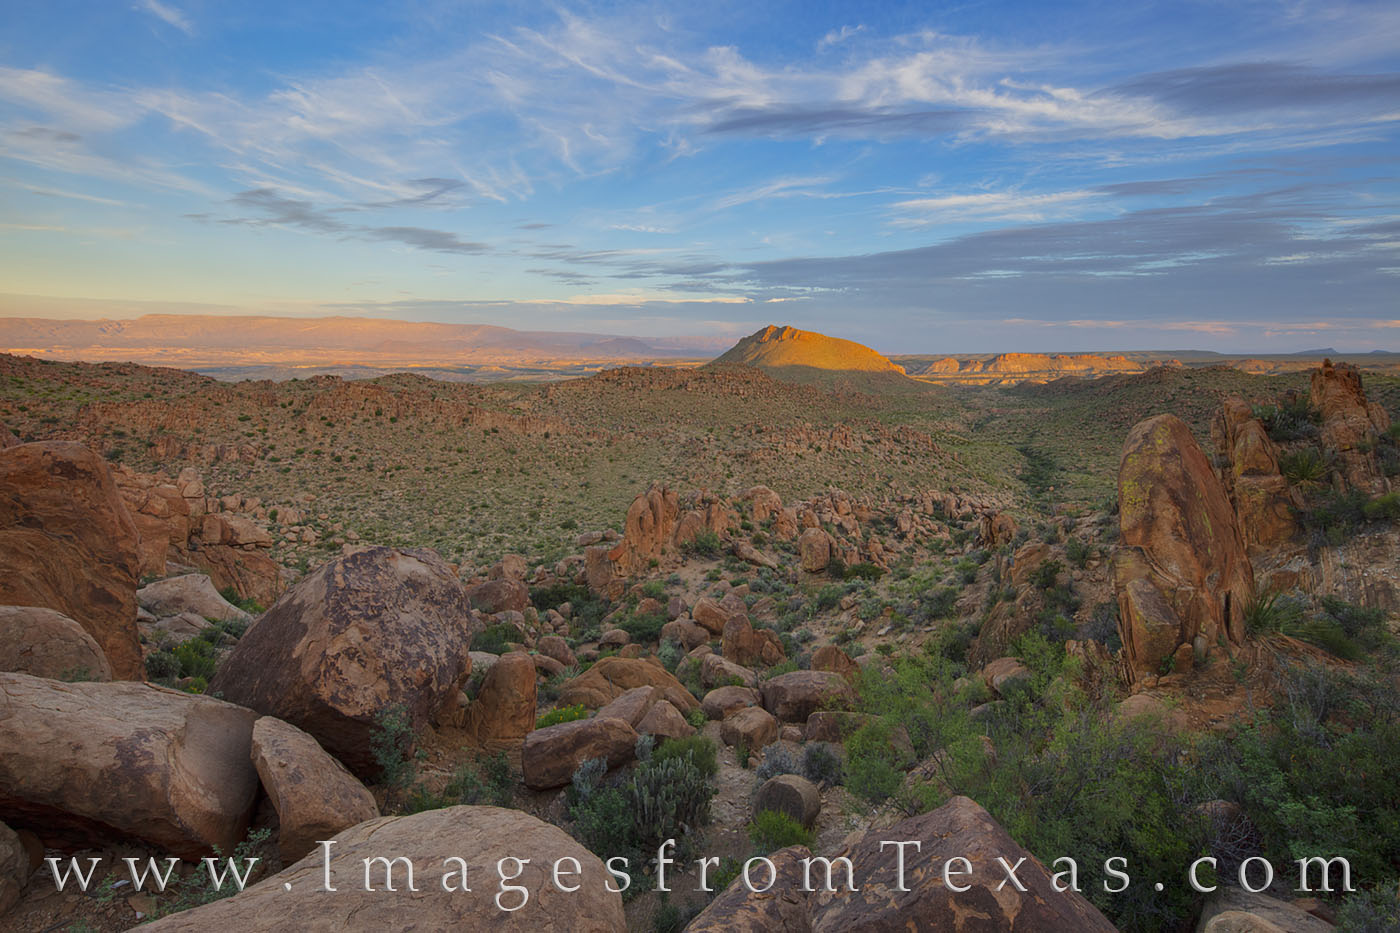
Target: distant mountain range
[(235, 347)]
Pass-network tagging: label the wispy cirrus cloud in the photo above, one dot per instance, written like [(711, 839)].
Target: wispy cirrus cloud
[(169, 14)]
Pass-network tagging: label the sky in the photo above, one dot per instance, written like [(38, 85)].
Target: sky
[(922, 177)]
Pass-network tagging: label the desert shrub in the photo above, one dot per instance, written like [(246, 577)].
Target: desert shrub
[(1271, 612), (1078, 552), (865, 570), (699, 750), (666, 797), (251, 606), (775, 760), (672, 918), (821, 763), (1317, 773), (562, 714), (670, 654), (697, 718), (669, 800), (939, 602), (390, 742), (495, 639), (162, 666), (1383, 508), (1335, 516), (1045, 575), (1306, 468), (643, 627), (1103, 625), (771, 830), (195, 890), (555, 595), (966, 571), (1038, 472), (705, 544), (874, 770), (1294, 420)]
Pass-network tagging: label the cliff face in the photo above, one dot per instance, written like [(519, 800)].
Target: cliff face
[(1024, 367), (778, 347)]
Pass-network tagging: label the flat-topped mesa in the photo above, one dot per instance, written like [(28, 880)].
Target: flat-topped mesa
[(776, 347)]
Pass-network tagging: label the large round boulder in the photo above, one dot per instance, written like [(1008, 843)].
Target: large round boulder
[(791, 794), (373, 630), (46, 643), (68, 543), (89, 762), (439, 844)]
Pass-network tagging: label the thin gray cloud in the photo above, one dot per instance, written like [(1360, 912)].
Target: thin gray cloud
[(1253, 86), (439, 241), (291, 212), (802, 121)]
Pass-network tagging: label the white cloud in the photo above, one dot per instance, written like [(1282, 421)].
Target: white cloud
[(169, 14)]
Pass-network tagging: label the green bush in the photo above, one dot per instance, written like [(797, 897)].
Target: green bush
[(1306, 468), (496, 639), (821, 763), (705, 544), (865, 570), (666, 797), (698, 749), (643, 627), (1294, 420), (391, 743), (562, 714), (771, 830)]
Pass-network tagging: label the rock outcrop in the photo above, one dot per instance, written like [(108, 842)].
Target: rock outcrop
[(68, 543), (440, 844), (1182, 574), (374, 629), (1247, 461), (1350, 424), (794, 696), (313, 794), (46, 643), (90, 762)]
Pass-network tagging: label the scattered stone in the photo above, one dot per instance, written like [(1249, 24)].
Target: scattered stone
[(791, 794), (794, 696), (751, 726), (722, 701), (313, 794), (551, 755)]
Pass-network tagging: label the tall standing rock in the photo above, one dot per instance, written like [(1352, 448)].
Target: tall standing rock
[(1249, 471), (1350, 423), (1182, 572), (68, 543), (376, 628)]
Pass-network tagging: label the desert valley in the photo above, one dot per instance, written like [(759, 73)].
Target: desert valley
[(791, 602)]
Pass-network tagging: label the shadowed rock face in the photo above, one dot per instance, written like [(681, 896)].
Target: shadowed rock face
[(376, 628), (959, 828), (480, 836), (1182, 571), (89, 762), (68, 543)]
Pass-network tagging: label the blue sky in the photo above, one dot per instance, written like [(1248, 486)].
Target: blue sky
[(922, 177)]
